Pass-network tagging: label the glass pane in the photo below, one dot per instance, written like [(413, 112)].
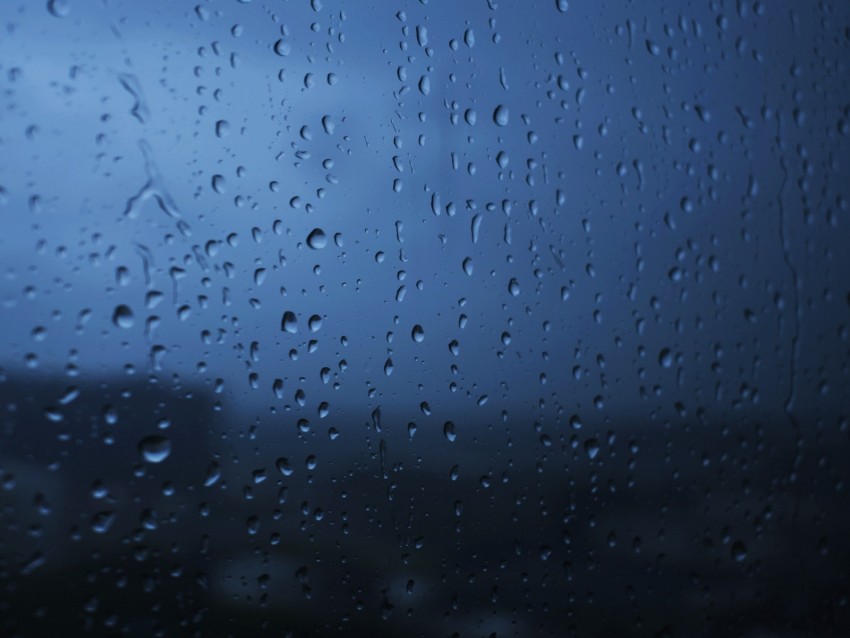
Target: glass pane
[(424, 317)]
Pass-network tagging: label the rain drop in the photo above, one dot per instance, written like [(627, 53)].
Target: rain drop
[(282, 48), (122, 317), (289, 322), (59, 8), (155, 448), (501, 115), (317, 239)]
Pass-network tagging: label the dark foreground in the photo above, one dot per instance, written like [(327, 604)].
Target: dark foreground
[(643, 529)]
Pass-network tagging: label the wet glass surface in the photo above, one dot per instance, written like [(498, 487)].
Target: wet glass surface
[(426, 318)]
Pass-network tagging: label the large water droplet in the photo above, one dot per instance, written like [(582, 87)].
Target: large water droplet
[(501, 115), (317, 239), (219, 184), (122, 317), (314, 323), (222, 128), (289, 322), (59, 8)]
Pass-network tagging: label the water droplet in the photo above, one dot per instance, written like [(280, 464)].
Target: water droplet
[(739, 551), (591, 446), (155, 448), (665, 357), (102, 522), (317, 239), (219, 184), (222, 128), (110, 415), (282, 48), (501, 115), (122, 317), (449, 431), (314, 323), (213, 474), (59, 8), (475, 228), (289, 322), (283, 466), (562, 5)]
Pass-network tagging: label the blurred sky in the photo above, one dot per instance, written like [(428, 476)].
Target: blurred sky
[(661, 197)]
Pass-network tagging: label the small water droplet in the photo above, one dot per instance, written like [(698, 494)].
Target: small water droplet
[(213, 474), (449, 431), (155, 448), (739, 551), (102, 522), (314, 323), (283, 466), (282, 48)]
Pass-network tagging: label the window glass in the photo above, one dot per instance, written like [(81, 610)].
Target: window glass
[(424, 317)]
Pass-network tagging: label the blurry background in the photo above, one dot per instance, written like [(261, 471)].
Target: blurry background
[(432, 318)]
